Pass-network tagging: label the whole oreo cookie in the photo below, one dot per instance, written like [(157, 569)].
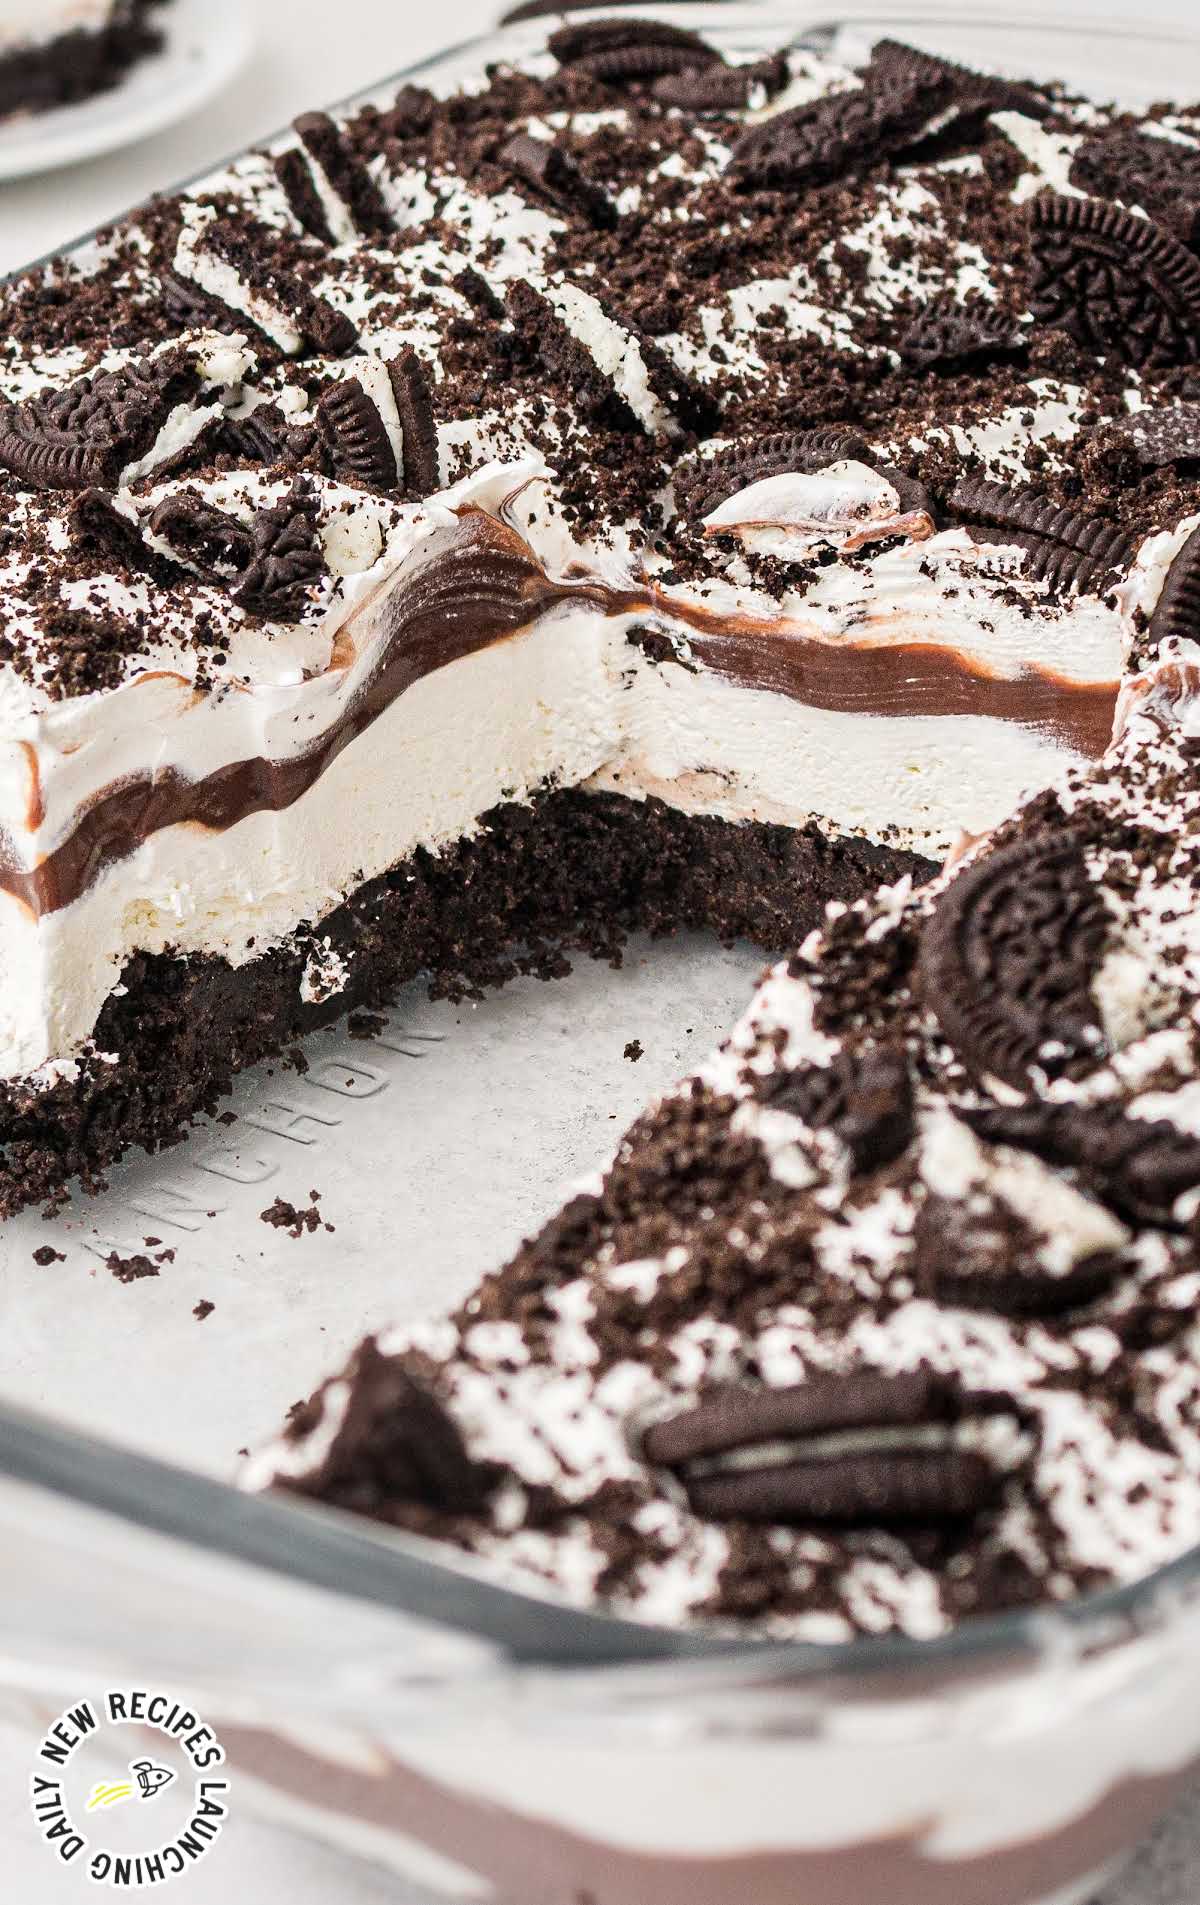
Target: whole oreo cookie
[(1009, 956), (861, 1450), (865, 1098), (1119, 285)]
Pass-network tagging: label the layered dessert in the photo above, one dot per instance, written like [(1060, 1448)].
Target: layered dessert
[(57, 52), (647, 485), (881, 480)]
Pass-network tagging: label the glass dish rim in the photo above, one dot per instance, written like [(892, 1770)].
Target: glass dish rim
[(366, 1563)]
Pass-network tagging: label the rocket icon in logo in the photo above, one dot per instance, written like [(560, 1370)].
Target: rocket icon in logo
[(151, 1777)]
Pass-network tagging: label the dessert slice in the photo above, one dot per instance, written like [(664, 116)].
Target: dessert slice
[(57, 52), (887, 1316), (643, 487)]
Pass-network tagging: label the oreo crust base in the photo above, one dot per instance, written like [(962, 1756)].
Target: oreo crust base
[(572, 873)]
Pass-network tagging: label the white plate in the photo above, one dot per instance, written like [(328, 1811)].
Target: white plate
[(206, 43)]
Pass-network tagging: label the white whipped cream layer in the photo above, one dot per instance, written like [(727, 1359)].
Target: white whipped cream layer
[(569, 701)]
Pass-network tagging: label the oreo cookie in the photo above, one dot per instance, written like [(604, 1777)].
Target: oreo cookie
[(413, 393), (264, 436), (703, 484), (1160, 176), (1008, 959), (286, 559), (96, 521), (978, 1254), (396, 1442), (1159, 437), (864, 1098), (619, 51), (255, 254), (1176, 614), (84, 436), (1066, 549), (325, 147), (901, 95), (553, 175), (719, 88), (947, 335), (1140, 1167), (292, 170), (1119, 285), (209, 541), (861, 1450), (355, 436), (547, 337), (193, 309)]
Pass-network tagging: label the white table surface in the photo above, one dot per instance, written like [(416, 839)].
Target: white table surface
[(311, 51)]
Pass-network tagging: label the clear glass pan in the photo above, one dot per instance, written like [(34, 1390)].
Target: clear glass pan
[(393, 1697)]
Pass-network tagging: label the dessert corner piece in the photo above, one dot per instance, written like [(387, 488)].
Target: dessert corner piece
[(59, 52), (885, 1318)]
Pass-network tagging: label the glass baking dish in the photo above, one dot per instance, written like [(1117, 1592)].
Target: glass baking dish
[(392, 1697)]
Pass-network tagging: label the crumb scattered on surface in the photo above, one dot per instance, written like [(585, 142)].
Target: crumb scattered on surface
[(46, 1254), (365, 1025), (203, 1308), (130, 1269), (634, 1050), (285, 1216)]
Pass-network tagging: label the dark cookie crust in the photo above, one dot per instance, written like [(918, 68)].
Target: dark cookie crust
[(572, 873)]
